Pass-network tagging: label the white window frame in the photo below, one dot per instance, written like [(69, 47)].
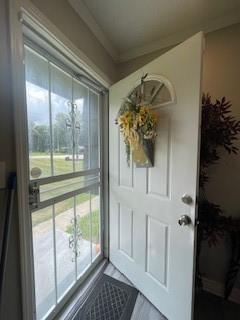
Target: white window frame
[(24, 11)]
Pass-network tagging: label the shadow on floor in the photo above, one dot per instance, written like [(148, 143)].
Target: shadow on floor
[(211, 307)]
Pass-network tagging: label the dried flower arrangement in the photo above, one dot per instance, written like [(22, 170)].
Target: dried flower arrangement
[(138, 125)]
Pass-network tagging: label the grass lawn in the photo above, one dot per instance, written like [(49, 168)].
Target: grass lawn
[(55, 189), (47, 213), (84, 226), (37, 153), (61, 166)]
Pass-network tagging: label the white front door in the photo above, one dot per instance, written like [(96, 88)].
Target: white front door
[(147, 244)]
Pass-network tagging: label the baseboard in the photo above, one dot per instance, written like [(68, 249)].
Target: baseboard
[(217, 288)]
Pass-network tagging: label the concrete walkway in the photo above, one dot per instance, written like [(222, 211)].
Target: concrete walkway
[(66, 265), (63, 220)]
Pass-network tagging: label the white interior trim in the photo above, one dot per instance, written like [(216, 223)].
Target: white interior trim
[(20, 126), (35, 17), (83, 11), (168, 41), (217, 288)]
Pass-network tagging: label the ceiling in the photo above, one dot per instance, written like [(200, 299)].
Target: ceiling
[(130, 28)]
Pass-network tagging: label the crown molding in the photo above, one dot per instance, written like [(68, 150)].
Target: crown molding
[(224, 21), (85, 14), (176, 38)]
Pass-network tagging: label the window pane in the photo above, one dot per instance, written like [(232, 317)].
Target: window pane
[(83, 228), (65, 245), (43, 252), (94, 130), (95, 209), (63, 134), (80, 99), (55, 189), (61, 97), (37, 96)]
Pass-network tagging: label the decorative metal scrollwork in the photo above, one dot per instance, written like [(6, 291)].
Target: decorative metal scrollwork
[(73, 124), (74, 241)]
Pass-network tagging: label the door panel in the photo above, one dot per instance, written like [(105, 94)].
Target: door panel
[(94, 130), (43, 250), (64, 194), (83, 218), (125, 230), (81, 100), (95, 222), (158, 176), (125, 172), (37, 96), (65, 253), (146, 242), (61, 95), (157, 241)]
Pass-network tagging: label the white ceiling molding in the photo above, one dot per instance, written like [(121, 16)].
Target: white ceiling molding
[(174, 39), (168, 41), (84, 13)]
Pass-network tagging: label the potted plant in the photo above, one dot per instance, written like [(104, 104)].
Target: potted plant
[(219, 130)]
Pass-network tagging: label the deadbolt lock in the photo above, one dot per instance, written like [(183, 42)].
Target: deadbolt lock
[(187, 199)]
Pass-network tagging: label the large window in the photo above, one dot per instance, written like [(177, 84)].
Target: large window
[(64, 177)]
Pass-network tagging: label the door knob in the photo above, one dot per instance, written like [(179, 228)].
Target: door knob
[(187, 199), (184, 220)]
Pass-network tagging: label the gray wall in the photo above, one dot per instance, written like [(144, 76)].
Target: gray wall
[(221, 77), (12, 295), (68, 21)]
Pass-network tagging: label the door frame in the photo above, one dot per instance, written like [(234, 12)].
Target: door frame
[(23, 11)]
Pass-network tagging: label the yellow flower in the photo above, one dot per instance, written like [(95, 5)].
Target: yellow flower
[(134, 124), (125, 119)]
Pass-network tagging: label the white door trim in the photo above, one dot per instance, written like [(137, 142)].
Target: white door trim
[(18, 11)]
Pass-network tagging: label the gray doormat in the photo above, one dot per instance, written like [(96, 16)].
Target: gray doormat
[(109, 300)]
